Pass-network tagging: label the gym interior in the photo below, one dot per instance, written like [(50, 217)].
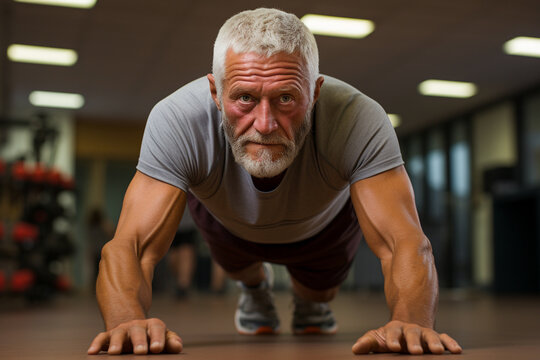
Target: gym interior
[(473, 159)]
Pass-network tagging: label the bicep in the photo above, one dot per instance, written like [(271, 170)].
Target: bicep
[(150, 215), (386, 211)]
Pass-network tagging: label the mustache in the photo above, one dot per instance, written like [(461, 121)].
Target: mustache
[(265, 139)]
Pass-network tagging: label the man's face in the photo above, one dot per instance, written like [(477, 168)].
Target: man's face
[(266, 110)]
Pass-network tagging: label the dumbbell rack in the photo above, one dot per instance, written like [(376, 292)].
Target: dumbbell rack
[(34, 237)]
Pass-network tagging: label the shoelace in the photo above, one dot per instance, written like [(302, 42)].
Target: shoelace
[(260, 300), (309, 307)]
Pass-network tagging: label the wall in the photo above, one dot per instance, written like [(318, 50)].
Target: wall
[(531, 139), (106, 153), (98, 142), (494, 144)]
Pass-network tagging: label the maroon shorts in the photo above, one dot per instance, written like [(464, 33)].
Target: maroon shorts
[(320, 262)]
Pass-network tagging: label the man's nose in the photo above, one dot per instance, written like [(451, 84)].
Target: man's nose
[(264, 123)]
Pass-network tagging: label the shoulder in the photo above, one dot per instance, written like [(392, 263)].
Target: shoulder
[(192, 98), (182, 142), (341, 108), (333, 87), (352, 131), (336, 96), (190, 109)]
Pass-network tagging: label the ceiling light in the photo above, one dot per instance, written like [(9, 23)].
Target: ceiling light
[(56, 99), (85, 4), (338, 26), (395, 119), (41, 55), (524, 46), (444, 88)]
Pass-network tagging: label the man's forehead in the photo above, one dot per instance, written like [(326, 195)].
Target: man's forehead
[(276, 84), (274, 87), (252, 67)]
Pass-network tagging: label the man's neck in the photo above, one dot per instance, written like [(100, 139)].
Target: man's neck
[(268, 184)]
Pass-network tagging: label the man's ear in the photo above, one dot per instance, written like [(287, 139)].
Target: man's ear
[(213, 90), (317, 89)]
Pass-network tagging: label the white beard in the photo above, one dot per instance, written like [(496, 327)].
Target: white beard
[(263, 166)]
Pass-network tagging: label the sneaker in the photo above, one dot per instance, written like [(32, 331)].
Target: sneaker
[(312, 318), (256, 313)]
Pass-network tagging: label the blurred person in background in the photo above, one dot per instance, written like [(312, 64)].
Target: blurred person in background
[(183, 260), (99, 231)]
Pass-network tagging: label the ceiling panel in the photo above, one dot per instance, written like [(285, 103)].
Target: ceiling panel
[(132, 53)]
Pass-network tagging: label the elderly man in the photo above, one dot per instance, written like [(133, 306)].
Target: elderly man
[(278, 165)]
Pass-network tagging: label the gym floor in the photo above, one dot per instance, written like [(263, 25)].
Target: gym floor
[(487, 327)]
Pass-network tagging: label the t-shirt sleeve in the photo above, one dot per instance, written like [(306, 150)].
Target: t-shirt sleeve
[(175, 146), (161, 155), (376, 148), (361, 141)]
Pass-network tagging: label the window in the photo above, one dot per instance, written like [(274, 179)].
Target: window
[(531, 139)]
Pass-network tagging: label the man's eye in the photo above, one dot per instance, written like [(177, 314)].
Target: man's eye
[(245, 98), (285, 98)]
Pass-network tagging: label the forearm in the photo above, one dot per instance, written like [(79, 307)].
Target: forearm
[(123, 287), (411, 285)]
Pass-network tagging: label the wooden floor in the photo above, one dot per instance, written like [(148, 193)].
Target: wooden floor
[(487, 327)]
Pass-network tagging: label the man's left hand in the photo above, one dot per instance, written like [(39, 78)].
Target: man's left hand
[(398, 336)]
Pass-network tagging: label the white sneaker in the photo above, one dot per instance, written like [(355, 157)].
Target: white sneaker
[(256, 313), (312, 318)]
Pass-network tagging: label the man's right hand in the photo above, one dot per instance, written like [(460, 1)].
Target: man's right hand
[(139, 337)]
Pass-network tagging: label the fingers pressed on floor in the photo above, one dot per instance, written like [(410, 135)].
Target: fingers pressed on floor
[(451, 344), (433, 342), (365, 345), (173, 344), (100, 343), (156, 337), (394, 337), (413, 337), (116, 342), (139, 340)]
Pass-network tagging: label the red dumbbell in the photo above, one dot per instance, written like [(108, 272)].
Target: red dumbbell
[(39, 174), (25, 233), (63, 283), (2, 281), (22, 280), (54, 177), (19, 171)]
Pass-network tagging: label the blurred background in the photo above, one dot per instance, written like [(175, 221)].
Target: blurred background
[(65, 163)]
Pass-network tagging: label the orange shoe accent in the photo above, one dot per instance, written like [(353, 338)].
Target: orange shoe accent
[(263, 330), (314, 330)]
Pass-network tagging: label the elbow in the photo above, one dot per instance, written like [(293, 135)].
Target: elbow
[(109, 250), (114, 252), (415, 245), (106, 249), (424, 246), (425, 254), (105, 252)]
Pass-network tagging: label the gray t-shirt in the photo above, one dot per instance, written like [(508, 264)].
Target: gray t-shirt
[(351, 139)]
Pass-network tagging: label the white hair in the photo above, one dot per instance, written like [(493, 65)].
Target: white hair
[(265, 32)]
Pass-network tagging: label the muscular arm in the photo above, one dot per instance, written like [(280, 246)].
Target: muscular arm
[(386, 211), (150, 215), (385, 208)]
